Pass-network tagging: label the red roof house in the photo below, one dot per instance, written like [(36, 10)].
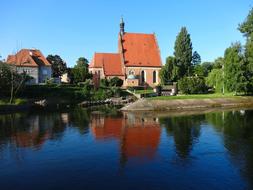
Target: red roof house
[(33, 62)]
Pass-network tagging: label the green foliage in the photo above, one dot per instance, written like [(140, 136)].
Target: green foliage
[(166, 73), (116, 81), (5, 76), (247, 29), (215, 80), (183, 53), (86, 90), (235, 69), (59, 67), (104, 82), (203, 69), (196, 59), (192, 85), (218, 63), (11, 82), (80, 72), (247, 26)]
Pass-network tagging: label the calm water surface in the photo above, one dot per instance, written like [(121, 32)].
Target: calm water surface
[(80, 149)]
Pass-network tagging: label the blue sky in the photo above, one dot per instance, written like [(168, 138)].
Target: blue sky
[(78, 28)]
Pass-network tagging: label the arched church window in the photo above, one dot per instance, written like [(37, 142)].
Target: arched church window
[(154, 77), (142, 76)]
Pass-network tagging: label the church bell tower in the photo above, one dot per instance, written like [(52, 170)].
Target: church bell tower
[(122, 26)]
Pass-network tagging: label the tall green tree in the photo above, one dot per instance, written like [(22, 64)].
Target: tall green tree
[(235, 68), (247, 26), (183, 53), (247, 29), (249, 61), (80, 72), (59, 66)]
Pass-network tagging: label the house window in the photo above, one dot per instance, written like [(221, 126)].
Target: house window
[(154, 77)]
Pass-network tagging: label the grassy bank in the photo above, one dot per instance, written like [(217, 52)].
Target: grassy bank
[(195, 96), (193, 102)]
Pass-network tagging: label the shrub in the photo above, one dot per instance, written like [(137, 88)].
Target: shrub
[(192, 85), (104, 83), (116, 81)]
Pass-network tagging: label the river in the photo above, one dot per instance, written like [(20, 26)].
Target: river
[(106, 149)]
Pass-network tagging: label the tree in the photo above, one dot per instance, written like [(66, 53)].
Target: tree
[(247, 29), (215, 80), (80, 72), (196, 59), (247, 26), (11, 82), (166, 73), (183, 53), (249, 62), (218, 63), (59, 67), (235, 68), (192, 85)]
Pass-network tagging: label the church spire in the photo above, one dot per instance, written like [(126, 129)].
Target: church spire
[(122, 26)]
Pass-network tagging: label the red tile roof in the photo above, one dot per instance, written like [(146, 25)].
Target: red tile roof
[(141, 50), (110, 62), (28, 58)]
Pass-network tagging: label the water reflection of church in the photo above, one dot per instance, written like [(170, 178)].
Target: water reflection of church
[(138, 137)]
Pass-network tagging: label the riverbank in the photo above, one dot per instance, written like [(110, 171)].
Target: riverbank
[(153, 104)]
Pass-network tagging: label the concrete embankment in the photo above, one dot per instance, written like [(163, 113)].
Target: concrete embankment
[(188, 104)]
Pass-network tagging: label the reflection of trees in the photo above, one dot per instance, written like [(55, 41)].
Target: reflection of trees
[(237, 132), (79, 118), (185, 131)]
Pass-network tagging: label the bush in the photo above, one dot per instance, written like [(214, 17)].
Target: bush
[(192, 85), (104, 82), (116, 81)]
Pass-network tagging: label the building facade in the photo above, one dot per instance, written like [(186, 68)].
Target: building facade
[(33, 63), (137, 62)]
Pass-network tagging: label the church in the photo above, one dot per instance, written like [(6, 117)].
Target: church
[(137, 61)]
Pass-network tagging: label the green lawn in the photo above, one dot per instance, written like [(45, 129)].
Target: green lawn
[(143, 91), (195, 96)]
